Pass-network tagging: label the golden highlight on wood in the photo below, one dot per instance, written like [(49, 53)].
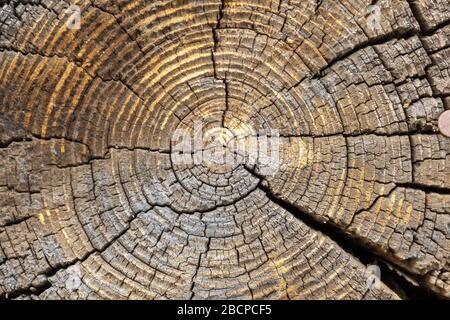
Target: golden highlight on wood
[(95, 204)]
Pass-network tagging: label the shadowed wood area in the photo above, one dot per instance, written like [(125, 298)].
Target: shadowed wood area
[(96, 204)]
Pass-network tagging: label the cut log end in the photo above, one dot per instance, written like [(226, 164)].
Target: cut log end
[(224, 149)]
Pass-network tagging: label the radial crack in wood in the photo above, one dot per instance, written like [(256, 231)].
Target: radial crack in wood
[(207, 149)]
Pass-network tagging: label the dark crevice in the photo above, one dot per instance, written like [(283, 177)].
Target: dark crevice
[(9, 142), (216, 46), (199, 261), (363, 252), (209, 209), (418, 15), (433, 30), (118, 21), (79, 63), (427, 131), (404, 288), (227, 96), (214, 63), (148, 149), (318, 5), (218, 25), (16, 222), (34, 290), (425, 188), (383, 39), (425, 28), (13, 4), (374, 203), (38, 289), (380, 40), (392, 278)]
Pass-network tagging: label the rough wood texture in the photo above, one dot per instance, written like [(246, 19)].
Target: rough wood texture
[(93, 206)]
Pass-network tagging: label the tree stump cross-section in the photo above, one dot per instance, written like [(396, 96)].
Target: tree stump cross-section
[(222, 149)]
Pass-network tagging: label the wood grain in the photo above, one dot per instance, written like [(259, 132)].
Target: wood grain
[(93, 206)]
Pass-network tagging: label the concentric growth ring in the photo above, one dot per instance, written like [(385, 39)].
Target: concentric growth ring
[(205, 149)]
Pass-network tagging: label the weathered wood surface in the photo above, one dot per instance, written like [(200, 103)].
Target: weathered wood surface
[(91, 205)]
